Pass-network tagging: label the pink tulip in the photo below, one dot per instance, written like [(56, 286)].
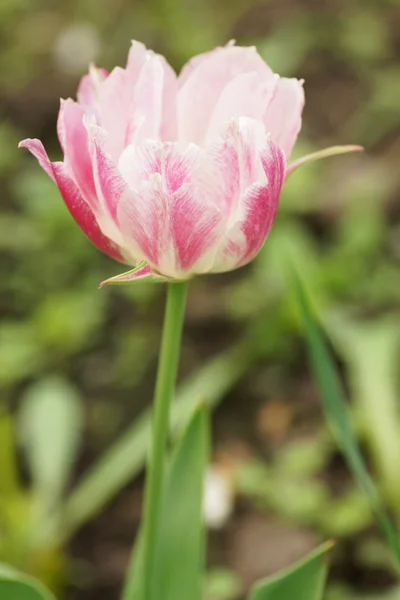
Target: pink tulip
[(179, 175)]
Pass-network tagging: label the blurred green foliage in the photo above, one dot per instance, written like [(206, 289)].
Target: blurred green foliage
[(339, 220)]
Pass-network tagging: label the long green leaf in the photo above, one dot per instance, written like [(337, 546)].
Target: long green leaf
[(303, 581), (127, 456), (179, 572), (337, 414), (17, 586)]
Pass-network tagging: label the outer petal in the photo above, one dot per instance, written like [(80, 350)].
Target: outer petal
[(283, 116), (75, 144), (203, 87), (76, 205), (36, 147), (255, 179)]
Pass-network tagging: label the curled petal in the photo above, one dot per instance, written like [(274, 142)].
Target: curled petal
[(77, 206), (332, 151), (36, 147), (283, 116)]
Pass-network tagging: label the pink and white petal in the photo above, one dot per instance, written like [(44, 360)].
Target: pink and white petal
[(283, 116), (82, 213), (136, 59), (142, 78), (110, 188), (36, 147), (115, 98), (245, 96), (169, 120), (75, 143), (203, 87), (196, 226), (255, 213), (142, 271), (88, 90), (73, 199), (194, 62), (146, 107), (143, 221), (326, 153), (261, 202), (173, 214)]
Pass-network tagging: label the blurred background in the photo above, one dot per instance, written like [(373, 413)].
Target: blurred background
[(77, 365)]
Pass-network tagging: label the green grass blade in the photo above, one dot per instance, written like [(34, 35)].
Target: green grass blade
[(125, 459), (303, 581), (337, 414)]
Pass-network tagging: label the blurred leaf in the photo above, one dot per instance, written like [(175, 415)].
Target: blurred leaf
[(50, 429), (371, 351), (20, 351), (16, 586), (127, 456), (304, 581), (337, 413), (181, 545), (222, 584), (68, 319), (9, 477)]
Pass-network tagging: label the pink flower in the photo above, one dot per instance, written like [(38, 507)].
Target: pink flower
[(179, 175)]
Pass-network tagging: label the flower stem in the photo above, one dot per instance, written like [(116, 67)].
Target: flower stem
[(164, 391)]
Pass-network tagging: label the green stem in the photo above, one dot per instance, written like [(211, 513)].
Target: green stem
[(164, 391)]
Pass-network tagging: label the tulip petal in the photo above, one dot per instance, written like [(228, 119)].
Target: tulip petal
[(88, 90), (171, 209), (332, 151), (245, 96), (77, 206), (283, 116), (256, 196), (36, 147), (74, 141), (142, 271), (199, 94), (82, 213)]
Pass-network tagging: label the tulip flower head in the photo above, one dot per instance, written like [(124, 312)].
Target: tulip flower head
[(177, 175)]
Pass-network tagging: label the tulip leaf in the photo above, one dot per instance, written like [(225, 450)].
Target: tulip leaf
[(179, 561), (303, 581), (17, 586), (181, 548), (332, 151), (338, 417), (142, 271)]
